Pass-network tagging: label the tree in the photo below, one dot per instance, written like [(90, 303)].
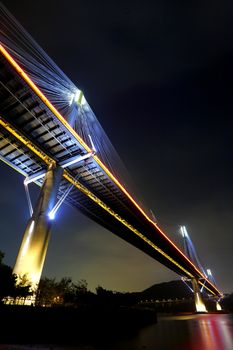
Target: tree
[(9, 286), (7, 281), (81, 287), (1, 257), (23, 287), (64, 292), (46, 292), (51, 293)]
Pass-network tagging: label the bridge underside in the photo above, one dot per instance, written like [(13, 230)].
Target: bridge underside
[(26, 120)]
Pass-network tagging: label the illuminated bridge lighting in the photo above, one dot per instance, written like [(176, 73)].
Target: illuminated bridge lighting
[(200, 306), (184, 231), (51, 215), (77, 97)]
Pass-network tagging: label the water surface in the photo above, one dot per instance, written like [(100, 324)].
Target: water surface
[(189, 332)]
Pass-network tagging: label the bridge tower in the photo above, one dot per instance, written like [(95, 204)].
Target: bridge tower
[(212, 279), (31, 256), (199, 303), (191, 253)]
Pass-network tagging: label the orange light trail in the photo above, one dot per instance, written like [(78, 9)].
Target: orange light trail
[(87, 148)]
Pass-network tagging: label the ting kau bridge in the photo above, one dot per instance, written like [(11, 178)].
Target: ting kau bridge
[(50, 135)]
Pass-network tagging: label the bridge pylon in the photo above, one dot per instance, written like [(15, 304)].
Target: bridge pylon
[(32, 252), (218, 306), (199, 303)]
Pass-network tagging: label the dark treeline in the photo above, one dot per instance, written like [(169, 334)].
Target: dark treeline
[(67, 293), (64, 292), (227, 302), (8, 285)]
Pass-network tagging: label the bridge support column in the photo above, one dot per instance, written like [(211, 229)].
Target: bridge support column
[(35, 241), (218, 306), (199, 303)]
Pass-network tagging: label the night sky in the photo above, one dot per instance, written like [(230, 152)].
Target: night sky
[(159, 76)]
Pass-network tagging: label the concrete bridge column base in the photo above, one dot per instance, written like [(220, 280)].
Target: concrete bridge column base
[(199, 303), (218, 306), (31, 256)]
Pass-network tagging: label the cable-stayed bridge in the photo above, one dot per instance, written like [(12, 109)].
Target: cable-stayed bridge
[(50, 135)]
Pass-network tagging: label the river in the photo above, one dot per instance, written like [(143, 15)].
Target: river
[(191, 332), (188, 332)]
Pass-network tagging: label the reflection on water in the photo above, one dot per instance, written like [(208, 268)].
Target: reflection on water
[(193, 332)]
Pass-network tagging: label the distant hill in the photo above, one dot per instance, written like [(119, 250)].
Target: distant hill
[(166, 290)]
